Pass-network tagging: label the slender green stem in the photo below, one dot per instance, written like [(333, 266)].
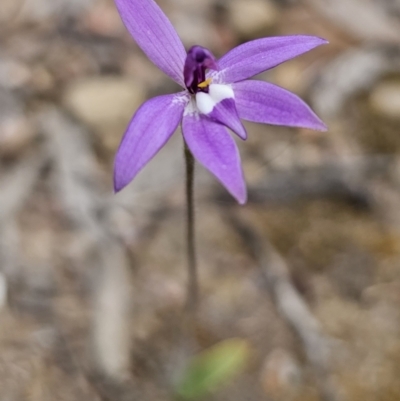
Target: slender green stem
[(193, 286)]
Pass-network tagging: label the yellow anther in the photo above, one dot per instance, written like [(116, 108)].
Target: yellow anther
[(205, 83)]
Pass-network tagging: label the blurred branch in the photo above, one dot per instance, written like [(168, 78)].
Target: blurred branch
[(343, 179), (76, 181), (17, 185), (16, 188), (352, 72), (290, 304), (75, 170), (365, 19)]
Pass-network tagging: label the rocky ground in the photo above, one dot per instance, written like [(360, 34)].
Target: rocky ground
[(92, 284)]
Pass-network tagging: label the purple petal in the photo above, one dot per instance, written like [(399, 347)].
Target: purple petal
[(262, 102), (215, 149), (219, 105), (149, 130), (260, 55), (155, 35), (225, 113)]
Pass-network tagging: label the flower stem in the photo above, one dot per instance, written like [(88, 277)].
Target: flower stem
[(193, 286)]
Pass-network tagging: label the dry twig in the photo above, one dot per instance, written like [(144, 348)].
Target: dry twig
[(374, 21), (343, 179), (352, 72), (77, 184), (17, 185), (291, 305)]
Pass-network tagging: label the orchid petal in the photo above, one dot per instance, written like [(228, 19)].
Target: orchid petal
[(215, 149), (259, 55), (155, 35), (150, 128), (225, 113), (219, 105), (262, 102)]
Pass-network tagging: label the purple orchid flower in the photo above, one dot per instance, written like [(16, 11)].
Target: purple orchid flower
[(216, 96)]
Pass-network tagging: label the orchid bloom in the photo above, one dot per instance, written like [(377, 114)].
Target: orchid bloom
[(215, 96)]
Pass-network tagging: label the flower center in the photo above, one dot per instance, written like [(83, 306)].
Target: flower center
[(198, 60)]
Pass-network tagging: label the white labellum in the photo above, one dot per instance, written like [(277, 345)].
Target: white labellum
[(216, 94)]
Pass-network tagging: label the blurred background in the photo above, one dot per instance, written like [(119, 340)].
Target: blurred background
[(307, 274)]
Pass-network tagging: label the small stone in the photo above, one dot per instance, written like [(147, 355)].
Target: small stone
[(251, 18), (41, 79), (106, 104), (385, 99), (16, 133)]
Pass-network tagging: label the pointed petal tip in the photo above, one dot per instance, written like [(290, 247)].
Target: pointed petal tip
[(240, 131), (239, 195), (316, 125), (220, 100), (118, 185), (313, 41), (116, 188), (323, 127), (310, 38), (321, 41), (242, 200), (243, 137), (324, 41)]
